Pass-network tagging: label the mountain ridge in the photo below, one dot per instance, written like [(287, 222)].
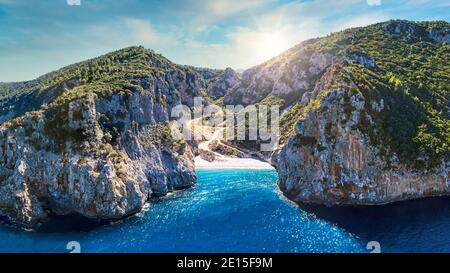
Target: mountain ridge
[(365, 121)]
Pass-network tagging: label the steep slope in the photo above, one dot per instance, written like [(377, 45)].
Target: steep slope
[(93, 138), (287, 76), (294, 72), (366, 121), (222, 83), (123, 68), (370, 122)]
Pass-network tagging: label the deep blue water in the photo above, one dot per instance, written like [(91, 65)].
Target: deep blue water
[(242, 211)]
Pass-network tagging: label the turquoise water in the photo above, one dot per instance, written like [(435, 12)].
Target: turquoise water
[(242, 211)]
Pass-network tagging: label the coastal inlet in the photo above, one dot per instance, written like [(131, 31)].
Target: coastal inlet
[(242, 211)]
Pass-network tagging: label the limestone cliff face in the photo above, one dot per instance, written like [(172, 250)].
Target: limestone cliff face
[(296, 71), (366, 114), (224, 81), (287, 76), (100, 147), (328, 161), (365, 121), (117, 153), (412, 32)]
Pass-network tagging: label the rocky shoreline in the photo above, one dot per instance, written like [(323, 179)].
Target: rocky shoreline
[(96, 179), (94, 138)]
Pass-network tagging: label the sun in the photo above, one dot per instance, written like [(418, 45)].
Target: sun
[(272, 44)]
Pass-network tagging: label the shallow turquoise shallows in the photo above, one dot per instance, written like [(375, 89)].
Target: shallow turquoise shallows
[(242, 211)]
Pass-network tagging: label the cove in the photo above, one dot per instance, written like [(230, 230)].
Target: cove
[(243, 211)]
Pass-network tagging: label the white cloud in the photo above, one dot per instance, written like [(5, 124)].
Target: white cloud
[(374, 2), (143, 32), (201, 15), (428, 3), (267, 35), (360, 21), (222, 8), (209, 33)]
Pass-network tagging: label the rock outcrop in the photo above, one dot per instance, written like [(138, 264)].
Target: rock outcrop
[(117, 153), (361, 137), (223, 82), (328, 161), (100, 148), (287, 76), (439, 32), (365, 121), (360, 128)]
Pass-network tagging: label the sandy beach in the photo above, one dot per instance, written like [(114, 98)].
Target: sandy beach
[(223, 162), (231, 163)]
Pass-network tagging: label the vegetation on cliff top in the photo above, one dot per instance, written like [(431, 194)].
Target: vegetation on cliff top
[(411, 75), (120, 72), (125, 70)]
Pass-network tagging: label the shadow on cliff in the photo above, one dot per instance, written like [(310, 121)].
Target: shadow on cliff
[(79, 223), (57, 224), (71, 223), (408, 219)]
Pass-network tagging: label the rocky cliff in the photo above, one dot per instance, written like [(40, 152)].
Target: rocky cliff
[(294, 72), (365, 115), (365, 121), (375, 127), (101, 147), (287, 76), (222, 83), (330, 160)]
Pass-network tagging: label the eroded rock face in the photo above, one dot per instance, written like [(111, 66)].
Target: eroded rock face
[(220, 85), (344, 148), (102, 153), (287, 76), (94, 139), (104, 159), (329, 161), (412, 31)]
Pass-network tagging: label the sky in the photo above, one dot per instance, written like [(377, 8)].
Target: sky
[(39, 36)]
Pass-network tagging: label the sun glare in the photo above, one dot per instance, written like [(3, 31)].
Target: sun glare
[(272, 44)]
